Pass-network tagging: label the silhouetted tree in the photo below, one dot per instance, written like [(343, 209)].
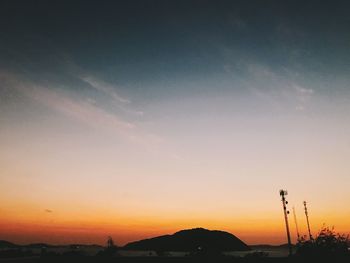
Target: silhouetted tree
[(110, 250), (110, 242)]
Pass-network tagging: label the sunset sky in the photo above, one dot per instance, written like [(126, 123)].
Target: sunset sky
[(140, 118)]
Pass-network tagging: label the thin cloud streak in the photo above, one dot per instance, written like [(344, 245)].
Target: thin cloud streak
[(85, 111), (279, 88), (275, 87), (99, 85), (109, 90), (82, 110), (105, 88)]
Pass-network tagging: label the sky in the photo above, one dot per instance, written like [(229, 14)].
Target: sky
[(140, 118)]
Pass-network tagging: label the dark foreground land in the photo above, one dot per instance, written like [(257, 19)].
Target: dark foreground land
[(326, 247), (65, 259)]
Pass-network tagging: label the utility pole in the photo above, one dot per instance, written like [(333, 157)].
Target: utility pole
[(283, 193), (296, 224), (307, 220)]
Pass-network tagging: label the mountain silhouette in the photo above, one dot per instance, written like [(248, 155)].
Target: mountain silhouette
[(191, 240)]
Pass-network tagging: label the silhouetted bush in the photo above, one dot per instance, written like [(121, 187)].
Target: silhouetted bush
[(327, 244)]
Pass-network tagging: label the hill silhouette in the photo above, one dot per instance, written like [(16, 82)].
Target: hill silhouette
[(191, 240), (6, 244)]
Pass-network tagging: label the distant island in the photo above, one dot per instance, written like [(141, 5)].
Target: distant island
[(191, 240)]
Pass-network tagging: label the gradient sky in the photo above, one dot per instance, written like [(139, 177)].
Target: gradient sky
[(140, 118)]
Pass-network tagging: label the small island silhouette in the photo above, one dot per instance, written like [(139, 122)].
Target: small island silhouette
[(191, 240)]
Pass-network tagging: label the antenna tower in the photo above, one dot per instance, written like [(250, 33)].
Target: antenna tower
[(307, 220), (296, 224), (283, 193)]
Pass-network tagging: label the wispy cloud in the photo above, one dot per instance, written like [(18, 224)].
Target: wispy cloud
[(81, 109), (303, 96), (105, 88), (303, 91), (278, 88), (110, 90)]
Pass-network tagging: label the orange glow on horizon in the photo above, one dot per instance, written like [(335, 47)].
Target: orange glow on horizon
[(47, 229)]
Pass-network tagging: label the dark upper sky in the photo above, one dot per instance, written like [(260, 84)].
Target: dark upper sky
[(124, 40)]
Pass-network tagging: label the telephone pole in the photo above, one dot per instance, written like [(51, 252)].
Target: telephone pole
[(283, 193), (307, 220)]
